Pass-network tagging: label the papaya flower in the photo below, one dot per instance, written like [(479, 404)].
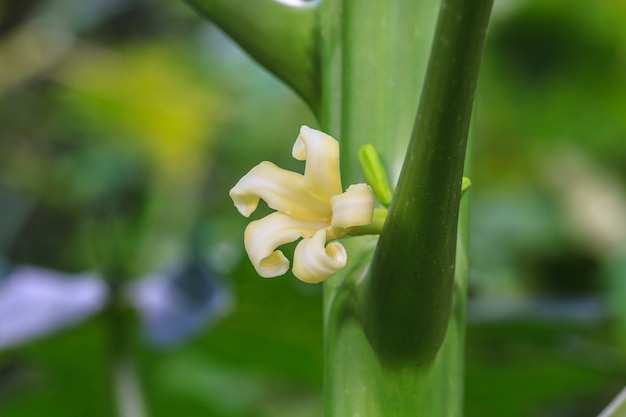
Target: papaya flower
[(312, 207)]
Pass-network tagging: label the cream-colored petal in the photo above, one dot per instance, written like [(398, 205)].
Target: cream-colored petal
[(313, 262), (355, 207), (263, 236), (321, 152), (282, 190)]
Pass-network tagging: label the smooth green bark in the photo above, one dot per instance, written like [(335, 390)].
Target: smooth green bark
[(411, 283), (374, 63), (373, 56)]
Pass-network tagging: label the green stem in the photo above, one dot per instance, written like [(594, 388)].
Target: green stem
[(126, 387), (280, 36), (408, 299), (373, 57), (127, 390)]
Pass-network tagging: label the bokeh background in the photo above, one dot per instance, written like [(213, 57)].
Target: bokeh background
[(123, 281)]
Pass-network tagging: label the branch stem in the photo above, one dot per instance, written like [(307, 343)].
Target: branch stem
[(280, 35), (408, 298)]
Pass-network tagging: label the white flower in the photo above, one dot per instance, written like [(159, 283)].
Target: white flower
[(312, 206)]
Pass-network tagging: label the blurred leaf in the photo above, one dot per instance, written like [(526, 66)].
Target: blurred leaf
[(536, 368), (148, 101), (13, 13), (66, 375), (176, 306), (614, 273), (505, 224), (555, 73), (577, 310), (226, 390), (14, 212), (36, 301)]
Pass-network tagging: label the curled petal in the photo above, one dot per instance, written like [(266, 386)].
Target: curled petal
[(321, 152), (355, 207), (313, 263), (263, 236), (282, 190)]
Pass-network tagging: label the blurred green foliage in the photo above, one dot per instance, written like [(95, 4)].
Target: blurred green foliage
[(118, 152)]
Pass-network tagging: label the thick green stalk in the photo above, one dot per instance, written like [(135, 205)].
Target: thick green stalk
[(373, 61), (385, 347), (408, 299), (373, 56)]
